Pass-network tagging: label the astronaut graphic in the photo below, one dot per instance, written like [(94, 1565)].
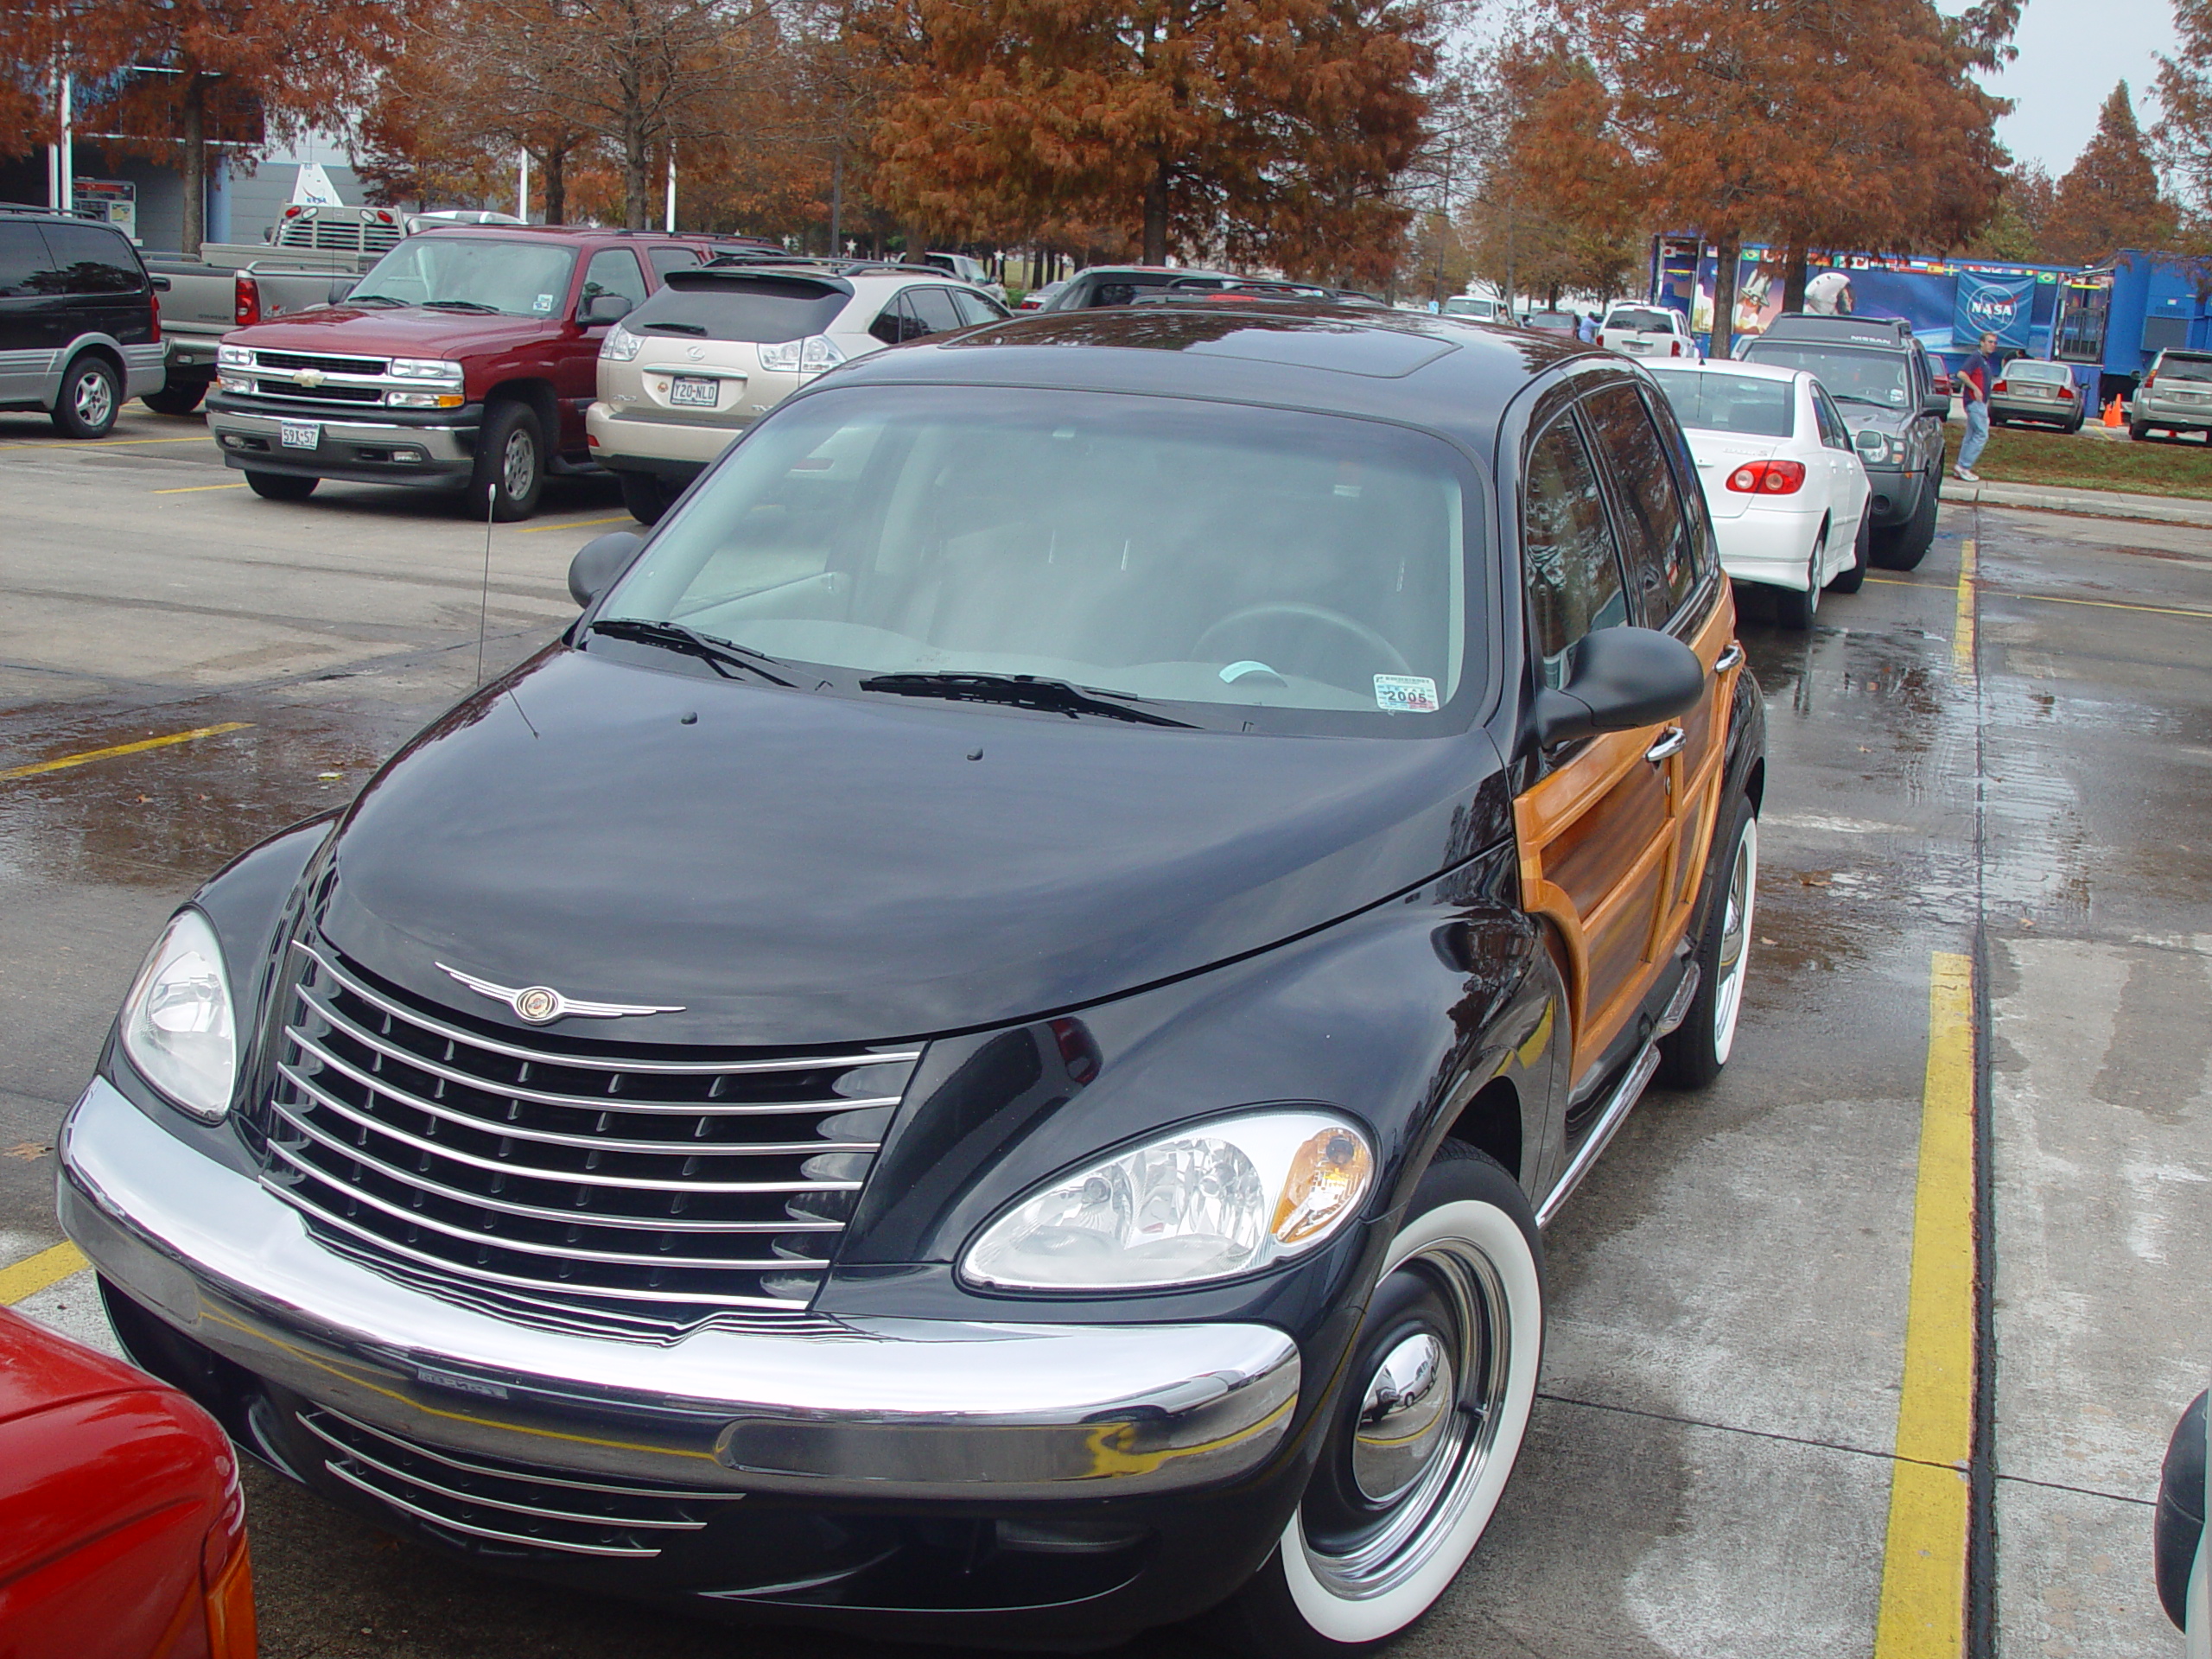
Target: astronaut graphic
[(1828, 295)]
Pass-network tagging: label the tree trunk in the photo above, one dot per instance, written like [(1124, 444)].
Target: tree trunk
[(195, 165), (557, 184), (1723, 293), (1155, 217), (1793, 279)]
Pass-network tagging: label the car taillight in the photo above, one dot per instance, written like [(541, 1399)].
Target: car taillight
[(1674, 348), (1999, 386), (247, 310), (1768, 478), (2149, 380), (2066, 394)]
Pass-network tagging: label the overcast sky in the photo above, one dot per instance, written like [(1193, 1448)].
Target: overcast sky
[(2071, 52)]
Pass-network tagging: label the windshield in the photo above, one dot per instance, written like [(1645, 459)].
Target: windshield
[(1717, 401), (1851, 375), (1216, 560), (2185, 368), (1642, 320), (473, 273), (1463, 306)]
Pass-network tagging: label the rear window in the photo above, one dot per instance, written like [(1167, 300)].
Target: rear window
[(2185, 368), (701, 306), (1642, 318), (1712, 401), (2051, 373)]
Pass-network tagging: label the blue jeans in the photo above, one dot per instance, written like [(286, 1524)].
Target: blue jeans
[(1977, 435)]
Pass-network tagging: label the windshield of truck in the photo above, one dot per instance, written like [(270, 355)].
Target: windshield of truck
[(1643, 319), (2185, 368), (473, 273), (1851, 375), (1251, 569), (1714, 401)]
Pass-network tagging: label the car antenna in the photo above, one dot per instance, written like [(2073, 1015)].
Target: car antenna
[(484, 601)]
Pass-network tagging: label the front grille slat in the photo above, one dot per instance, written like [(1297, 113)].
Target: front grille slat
[(592, 1181), (268, 360)]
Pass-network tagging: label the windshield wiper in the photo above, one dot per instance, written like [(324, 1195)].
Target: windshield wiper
[(1854, 397), (1018, 691), (370, 299), (721, 655), (461, 305)]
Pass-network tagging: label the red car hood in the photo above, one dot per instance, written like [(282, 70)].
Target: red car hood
[(404, 331)]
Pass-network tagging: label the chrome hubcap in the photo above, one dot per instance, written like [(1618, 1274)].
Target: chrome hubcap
[(93, 400), (1401, 1418), (1735, 939), (1427, 1425), (519, 468)]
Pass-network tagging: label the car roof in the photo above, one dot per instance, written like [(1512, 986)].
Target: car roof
[(578, 234), (1736, 366), (1890, 333), (1449, 374)]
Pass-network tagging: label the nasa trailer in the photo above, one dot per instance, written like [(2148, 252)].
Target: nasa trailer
[(2116, 316)]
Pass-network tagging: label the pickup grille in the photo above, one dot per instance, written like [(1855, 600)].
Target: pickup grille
[(327, 364), (323, 394), (655, 1183)]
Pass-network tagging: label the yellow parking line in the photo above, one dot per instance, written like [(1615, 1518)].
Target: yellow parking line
[(139, 747), (1962, 631), (102, 443), (34, 1273), (194, 489), (2060, 599), (580, 524), (1924, 1563)]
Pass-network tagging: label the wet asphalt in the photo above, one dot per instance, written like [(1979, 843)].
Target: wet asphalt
[(1709, 1468)]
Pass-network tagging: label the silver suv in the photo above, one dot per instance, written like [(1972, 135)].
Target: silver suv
[(2176, 396), (723, 343)]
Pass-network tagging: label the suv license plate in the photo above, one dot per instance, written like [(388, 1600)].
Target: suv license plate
[(690, 389), (300, 435)]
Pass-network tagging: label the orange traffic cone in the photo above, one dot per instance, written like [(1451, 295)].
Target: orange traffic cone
[(2112, 413)]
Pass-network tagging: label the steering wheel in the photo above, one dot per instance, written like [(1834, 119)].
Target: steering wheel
[(1298, 610)]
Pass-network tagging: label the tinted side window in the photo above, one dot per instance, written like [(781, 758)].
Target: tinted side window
[(664, 260), (895, 323), (1661, 559), (615, 271), (92, 260), (933, 305), (1833, 432), (1573, 569), (1112, 294), (23, 259), (976, 307)]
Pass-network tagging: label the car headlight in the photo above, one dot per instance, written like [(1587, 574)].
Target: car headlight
[(234, 357), (177, 1026), (1209, 1201), (621, 346), (422, 400), (808, 356), (426, 368)]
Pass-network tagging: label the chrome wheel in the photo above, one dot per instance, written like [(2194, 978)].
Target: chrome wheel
[(93, 398), (518, 464), (1734, 956)]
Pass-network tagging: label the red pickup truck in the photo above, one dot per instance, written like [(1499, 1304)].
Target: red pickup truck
[(464, 359)]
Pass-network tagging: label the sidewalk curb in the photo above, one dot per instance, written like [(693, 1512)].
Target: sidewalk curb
[(2092, 503)]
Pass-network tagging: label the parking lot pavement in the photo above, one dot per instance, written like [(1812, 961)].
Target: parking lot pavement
[(1984, 824)]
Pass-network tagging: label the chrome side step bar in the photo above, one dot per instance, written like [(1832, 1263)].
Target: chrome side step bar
[(1625, 1094)]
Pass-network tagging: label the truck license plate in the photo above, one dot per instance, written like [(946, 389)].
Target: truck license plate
[(692, 389), (300, 435)]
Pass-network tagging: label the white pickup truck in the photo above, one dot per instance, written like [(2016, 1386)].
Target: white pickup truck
[(1646, 331)]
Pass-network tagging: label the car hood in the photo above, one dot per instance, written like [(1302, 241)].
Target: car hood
[(792, 867), (381, 331), (1861, 417)]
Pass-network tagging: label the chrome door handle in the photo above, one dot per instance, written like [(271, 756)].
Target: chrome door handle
[(1671, 743), (1728, 658)]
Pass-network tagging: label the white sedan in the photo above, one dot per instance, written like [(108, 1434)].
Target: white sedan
[(1785, 488)]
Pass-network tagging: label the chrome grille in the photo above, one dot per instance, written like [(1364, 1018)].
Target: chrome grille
[(672, 1183), (504, 1502), (268, 360), (323, 394)]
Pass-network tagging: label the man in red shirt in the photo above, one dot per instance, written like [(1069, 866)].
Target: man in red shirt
[(1976, 379)]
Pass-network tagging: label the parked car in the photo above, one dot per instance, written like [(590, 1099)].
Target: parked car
[(2175, 396), (1104, 285), (1939, 372), (79, 331), (1037, 298), (884, 1080), (122, 1523), (972, 272), (2028, 389), (1876, 372), (1479, 308), (721, 345), (2183, 1565), (1784, 485), (1646, 331), (463, 360), (1554, 322)]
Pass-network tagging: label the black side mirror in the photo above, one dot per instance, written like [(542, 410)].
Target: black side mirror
[(599, 560), (1938, 403), (1624, 678), (604, 308)]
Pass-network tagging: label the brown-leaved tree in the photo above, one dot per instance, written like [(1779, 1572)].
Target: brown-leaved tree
[(2109, 198)]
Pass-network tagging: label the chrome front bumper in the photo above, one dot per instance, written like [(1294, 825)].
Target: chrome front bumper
[(873, 1408)]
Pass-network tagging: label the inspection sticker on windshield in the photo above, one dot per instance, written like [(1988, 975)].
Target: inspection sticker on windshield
[(1405, 694), (542, 302)]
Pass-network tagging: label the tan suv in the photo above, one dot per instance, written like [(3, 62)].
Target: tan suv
[(722, 344)]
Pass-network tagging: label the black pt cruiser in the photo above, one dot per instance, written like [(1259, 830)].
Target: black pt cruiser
[(981, 1049)]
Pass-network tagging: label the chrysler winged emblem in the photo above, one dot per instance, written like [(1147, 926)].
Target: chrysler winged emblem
[(308, 377), (541, 1005)]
